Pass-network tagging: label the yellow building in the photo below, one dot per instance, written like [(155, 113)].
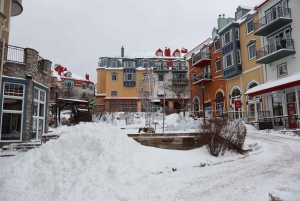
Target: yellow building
[(249, 73)]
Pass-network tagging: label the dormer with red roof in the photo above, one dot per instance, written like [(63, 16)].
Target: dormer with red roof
[(176, 53), (159, 53)]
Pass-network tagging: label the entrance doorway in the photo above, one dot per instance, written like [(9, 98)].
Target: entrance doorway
[(291, 109)]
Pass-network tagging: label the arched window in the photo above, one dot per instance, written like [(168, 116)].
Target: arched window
[(219, 103), (252, 101)]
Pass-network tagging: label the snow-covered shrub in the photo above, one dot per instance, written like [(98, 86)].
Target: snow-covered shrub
[(222, 134)]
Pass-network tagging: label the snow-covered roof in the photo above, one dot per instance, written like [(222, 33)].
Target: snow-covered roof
[(245, 7), (74, 76), (197, 48)]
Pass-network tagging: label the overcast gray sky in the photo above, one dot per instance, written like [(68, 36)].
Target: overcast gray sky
[(75, 33)]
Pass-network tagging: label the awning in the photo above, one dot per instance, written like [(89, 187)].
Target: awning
[(275, 85), (155, 101)]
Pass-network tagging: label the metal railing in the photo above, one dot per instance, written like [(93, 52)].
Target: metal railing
[(15, 54), (202, 76), (200, 56), (180, 81), (275, 46), (19, 1), (40, 63), (273, 15), (177, 68)]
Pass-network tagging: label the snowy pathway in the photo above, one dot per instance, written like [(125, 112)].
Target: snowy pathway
[(251, 178)]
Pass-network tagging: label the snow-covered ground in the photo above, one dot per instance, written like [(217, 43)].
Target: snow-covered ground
[(97, 161)]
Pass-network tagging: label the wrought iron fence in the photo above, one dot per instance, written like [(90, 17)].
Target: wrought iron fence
[(275, 46), (15, 54), (272, 16)]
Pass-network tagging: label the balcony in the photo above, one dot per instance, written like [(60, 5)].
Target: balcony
[(16, 8), (179, 69), (201, 59), (202, 78), (273, 21), (182, 81), (275, 51), (161, 69)]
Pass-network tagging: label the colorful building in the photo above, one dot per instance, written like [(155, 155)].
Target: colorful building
[(278, 25), (118, 78)]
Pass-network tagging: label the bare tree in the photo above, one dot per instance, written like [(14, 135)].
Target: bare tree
[(180, 89)]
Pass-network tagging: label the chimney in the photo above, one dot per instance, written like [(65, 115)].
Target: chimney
[(87, 76), (184, 50), (223, 15), (167, 52), (122, 51), (219, 16)]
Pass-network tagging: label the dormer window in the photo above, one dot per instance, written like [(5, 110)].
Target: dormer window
[(177, 54), (239, 15), (159, 54), (216, 44), (146, 64), (69, 74), (113, 64)]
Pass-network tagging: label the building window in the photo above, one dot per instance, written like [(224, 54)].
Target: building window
[(177, 54), (146, 64), (69, 84), (145, 76), (251, 51), (146, 94), (132, 106), (91, 87), (83, 85), (253, 101), (114, 77), (218, 67), (123, 106), (239, 15), (236, 111), (12, 112), (237, 34), (129, 77), (113, 64), (114, 93), (83, 95), (69, 74), (282, 70), (129, 64), (227, 60), (159, 54), (227, 37), (39, 114), (238, 56), (52, 80), (113, 105), (219, 103), (161, 78), (216, 45), (249, 26)]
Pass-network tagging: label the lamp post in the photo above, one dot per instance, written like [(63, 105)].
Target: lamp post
[(56, 93), (203, 87)]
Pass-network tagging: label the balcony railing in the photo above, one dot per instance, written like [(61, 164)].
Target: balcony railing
[(161, 68), (179, 68), (274, 51), (272, 21), (15, 54), (180, 81), (201, 56), (202, 76)]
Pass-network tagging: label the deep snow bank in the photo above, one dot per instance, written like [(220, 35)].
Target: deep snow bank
[(76, 166)]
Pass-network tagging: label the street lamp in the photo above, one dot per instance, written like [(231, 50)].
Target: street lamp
[(56, 93), (203, 87)]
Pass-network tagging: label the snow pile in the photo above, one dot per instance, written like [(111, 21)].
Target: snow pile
[(77, 166)]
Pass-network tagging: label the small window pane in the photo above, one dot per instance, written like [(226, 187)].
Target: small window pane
[(41, 113), (11, 126), (13, 90), (12, 104)]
